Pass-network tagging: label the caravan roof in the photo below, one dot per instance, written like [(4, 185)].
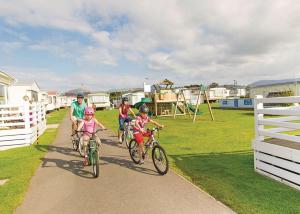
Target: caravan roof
[(6, 79)]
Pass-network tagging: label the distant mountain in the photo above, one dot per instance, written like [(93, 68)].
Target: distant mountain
[(125, 90), (75, 91), (272, 82)]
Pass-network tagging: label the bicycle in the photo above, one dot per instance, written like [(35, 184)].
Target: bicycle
[(159, 156), (128, 131), (93, 153)]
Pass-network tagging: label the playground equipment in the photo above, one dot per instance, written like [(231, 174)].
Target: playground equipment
[(166, 101), (190, 107)]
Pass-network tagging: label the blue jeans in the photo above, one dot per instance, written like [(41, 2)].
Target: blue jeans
[(122, 122)]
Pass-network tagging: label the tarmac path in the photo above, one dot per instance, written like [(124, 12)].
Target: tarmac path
[(63, 185)]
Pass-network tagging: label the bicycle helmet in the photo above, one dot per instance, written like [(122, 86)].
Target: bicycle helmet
[(80, 95), (144, 109), (89, 111), (125, 99)]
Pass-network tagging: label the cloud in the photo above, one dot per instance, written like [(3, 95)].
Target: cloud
[(208, 40), (60, 81)]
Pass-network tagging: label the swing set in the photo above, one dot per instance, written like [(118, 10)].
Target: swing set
[(182, 105)]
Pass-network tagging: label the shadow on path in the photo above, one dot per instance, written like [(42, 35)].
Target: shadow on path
[(59, 149), (128, 164), (110, 142), (74, 166)]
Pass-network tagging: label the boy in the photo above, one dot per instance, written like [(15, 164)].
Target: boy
[(139, 129)]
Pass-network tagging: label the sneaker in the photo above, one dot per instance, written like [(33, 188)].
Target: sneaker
[(85, 162), (120, 140), (141, 161)]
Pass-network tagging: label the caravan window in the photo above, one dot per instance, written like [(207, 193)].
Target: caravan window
[(49, 100), (34, 96), (2, 94), (99, 99)]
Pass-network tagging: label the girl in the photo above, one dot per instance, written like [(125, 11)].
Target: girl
[(123, 116), (88, 126)]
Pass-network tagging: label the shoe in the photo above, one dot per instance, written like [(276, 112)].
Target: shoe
[(85, 162), (120, 141), (141, 162), (143, 156)]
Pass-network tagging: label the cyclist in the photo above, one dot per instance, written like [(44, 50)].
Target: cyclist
[(77, 111), (139, 131), (124, 108), (88, 126)]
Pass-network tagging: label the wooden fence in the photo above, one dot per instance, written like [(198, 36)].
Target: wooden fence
[(277, 138), (21, 125)]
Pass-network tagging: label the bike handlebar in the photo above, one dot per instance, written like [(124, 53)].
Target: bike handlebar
[(154, 129), (92, 132)]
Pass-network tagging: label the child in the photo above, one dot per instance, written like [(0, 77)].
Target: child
[(88, 125), (123, 116), (139, 132)]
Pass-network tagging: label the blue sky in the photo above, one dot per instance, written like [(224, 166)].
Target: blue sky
[(117, 44)]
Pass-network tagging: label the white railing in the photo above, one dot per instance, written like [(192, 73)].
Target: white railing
[(285, 120), (21, 125), (276, 150)]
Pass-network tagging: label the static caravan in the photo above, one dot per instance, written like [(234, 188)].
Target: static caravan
[(43, 97), (101, 100), (134, 97), (20, 91), (241, 103), (5, 82), (191, 95), (70, 100), (52, 101), (217, 93), (62, 101)]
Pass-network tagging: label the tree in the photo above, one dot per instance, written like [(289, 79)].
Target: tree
[(213, 85)]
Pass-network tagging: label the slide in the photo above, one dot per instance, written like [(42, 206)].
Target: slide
[(193, 109)]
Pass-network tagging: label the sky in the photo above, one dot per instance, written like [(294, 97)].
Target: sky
[(106, 44)]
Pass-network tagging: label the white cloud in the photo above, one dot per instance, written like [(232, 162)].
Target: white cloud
[(60, 81), (208, 39)]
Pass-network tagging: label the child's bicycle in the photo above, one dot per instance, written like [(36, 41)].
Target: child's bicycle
[(128, 131), (159, 156), (75, 137), (93, 154)]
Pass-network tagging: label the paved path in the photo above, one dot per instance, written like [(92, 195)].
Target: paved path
[(62, 185)]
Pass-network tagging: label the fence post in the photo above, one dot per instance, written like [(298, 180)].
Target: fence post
[(37, 111), (257, 106), (27, 121)]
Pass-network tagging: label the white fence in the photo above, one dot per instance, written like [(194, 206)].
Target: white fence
[(277, 146), (20, 125)]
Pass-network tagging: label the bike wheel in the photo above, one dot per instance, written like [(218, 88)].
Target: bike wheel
[(80, 149), (95, 164), (133, 151), (127, 138), (75, 145), (160, 160)]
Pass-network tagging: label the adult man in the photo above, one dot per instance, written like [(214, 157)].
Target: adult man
[(77, 111)]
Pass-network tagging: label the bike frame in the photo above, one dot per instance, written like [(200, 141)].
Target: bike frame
[(151, 141)]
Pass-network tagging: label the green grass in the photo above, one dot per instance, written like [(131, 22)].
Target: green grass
[(56, 117), (217, 156), (19, 165)]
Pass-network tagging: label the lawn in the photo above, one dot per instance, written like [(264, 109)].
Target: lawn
[(217, 156), (19, 165), (56, 117)]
